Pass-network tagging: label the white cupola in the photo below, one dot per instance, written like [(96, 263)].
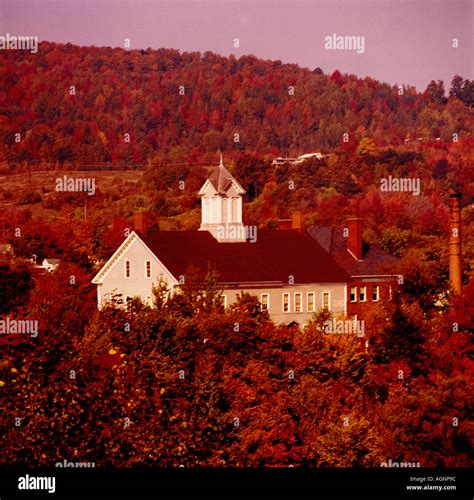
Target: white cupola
[(221, 206)]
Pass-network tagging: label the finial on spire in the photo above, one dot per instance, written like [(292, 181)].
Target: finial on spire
[(222, 161)]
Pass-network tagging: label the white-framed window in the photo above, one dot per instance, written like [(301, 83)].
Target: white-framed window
[(214, 206), (363, 293), (310, 303), (148, 301), (224, 301), (326, 302), (353, 295), (127, 269), (207, 209), (225, 210), (375, 293), (235, 210), (265, 301), (298, 302), (286, 303), (148, 269)]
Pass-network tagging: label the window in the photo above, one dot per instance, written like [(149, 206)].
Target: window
[(148, 269), (225, 210), (363, 293), (235, 210), (375, 293), (353, 297), (148, 301), (326, 301), (206, 209), (265, 301), (127, 269), (286, 302), (213, 206), (224, 301), (310, 302), (298, 303), (389, 293)]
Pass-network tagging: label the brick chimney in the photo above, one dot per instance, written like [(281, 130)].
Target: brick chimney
[(354, 237), (143, 221), (297, 221), (455, 244)]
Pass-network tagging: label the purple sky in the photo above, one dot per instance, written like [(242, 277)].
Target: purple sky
[(405, 41)]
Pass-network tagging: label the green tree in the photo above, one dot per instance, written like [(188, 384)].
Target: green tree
[(435, 91)]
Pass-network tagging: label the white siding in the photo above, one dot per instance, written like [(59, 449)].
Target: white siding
[(275, 300), (114, 281)]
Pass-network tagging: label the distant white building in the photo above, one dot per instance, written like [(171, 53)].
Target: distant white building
[(50, 264), (299, 159)]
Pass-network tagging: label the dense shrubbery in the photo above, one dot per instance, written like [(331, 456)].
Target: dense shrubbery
[(189, 383)]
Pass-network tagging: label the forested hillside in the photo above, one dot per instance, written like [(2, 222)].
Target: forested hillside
[(102, 105), (73, 106)]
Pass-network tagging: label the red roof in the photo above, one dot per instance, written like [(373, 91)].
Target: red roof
[(375, 261), (274, 257)]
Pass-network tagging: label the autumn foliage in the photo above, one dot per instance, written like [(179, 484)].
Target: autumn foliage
[(91, 105), (189, 383)]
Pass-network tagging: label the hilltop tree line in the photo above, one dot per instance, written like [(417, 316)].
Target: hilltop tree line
[(102, 105)]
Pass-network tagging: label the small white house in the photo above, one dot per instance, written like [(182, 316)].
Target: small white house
[(299, 159), (50, 264)]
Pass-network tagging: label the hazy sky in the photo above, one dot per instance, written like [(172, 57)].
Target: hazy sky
[(405, 41)]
